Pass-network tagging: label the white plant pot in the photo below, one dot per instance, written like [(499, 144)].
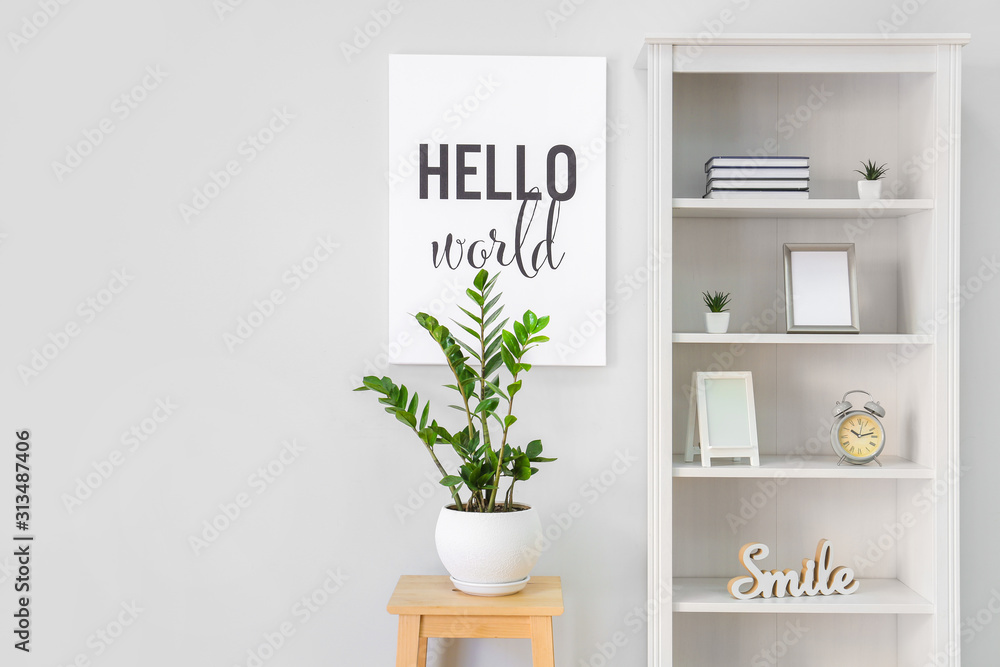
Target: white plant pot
[(716, 323), (495, 548), (870, 189)]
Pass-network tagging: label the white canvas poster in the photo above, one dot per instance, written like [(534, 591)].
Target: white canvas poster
[(498, 162)]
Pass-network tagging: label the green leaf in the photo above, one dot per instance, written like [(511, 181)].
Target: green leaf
[(370, 383), (441, 333), (494, 347), (509, 420), (491, 283), (520, 332), (475, 296), (492, 302), (530, 320), (428, 436), (491, 457), (488, 405), (469, 330), (406, 418), (469, 386), (472, 353), (492, 365), (481, 278), (534, 448), (451, 480), (474, 318), (496, 330), (538, 339), (496, 389), (508, 360), (423, 417), (513, 388), (489, 320), (414, 404), (525, 367), (426, 321), (521, 468), (511, 342), (542, 323)]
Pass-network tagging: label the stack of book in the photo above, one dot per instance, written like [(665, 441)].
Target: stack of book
[(758, 177)]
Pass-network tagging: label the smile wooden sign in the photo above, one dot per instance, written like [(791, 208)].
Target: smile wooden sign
[(815, 578)]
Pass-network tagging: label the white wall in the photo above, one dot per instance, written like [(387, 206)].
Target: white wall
[(161, 335)]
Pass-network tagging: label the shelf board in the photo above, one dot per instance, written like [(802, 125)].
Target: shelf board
[(792, 467), (804, 338), (798, 208), (874, 596), (812, 39)]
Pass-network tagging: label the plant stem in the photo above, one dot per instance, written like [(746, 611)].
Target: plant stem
[(444, 473), (482, 372), (465, 400), (503, 444)]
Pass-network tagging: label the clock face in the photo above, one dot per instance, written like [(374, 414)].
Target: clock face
[(860, 436)]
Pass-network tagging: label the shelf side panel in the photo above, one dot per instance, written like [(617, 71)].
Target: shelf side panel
[(659, 473), (948, 284)]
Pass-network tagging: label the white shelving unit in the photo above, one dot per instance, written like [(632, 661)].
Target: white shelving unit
[(838, 99)]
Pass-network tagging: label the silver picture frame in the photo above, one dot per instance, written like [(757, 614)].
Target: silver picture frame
[(821, 288)]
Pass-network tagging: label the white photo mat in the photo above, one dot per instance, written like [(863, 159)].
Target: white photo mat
[(821, 288), (722, 417)]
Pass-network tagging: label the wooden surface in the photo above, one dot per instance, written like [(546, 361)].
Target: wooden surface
[(436, 595), (430, 606)]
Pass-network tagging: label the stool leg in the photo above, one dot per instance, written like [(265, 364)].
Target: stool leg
[(422, 653), (409, 644), (542, 648)]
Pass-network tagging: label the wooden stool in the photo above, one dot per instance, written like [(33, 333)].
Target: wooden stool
[(429, 606)]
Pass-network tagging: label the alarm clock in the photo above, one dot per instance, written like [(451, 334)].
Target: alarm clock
[(857, 436)]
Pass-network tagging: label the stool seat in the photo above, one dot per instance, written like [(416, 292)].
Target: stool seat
[(430, 606)]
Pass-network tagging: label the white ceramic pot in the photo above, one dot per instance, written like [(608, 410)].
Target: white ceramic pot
[(870, 189), (495, 548), (716, 323)]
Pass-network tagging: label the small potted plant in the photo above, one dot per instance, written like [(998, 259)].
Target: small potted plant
[(870, 187), (717, 317), (486, 541)]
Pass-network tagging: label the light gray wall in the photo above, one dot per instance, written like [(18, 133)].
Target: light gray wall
[(334, 507)]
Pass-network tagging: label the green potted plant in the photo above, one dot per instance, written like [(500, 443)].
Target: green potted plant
[(717, 317), (484, 538), (870, 187)]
